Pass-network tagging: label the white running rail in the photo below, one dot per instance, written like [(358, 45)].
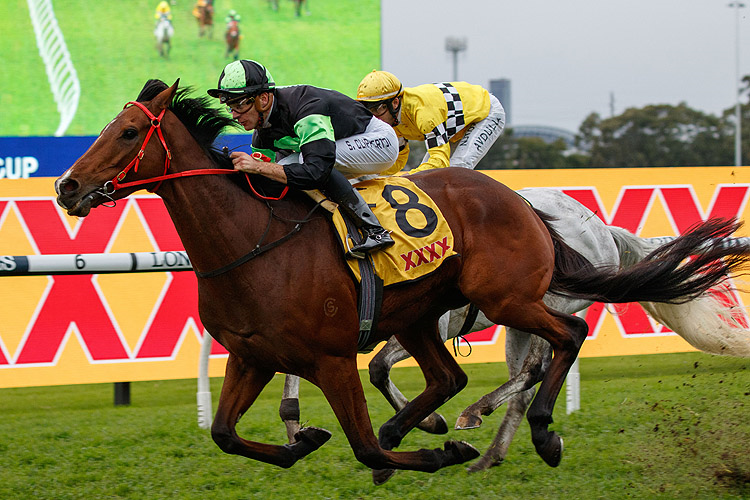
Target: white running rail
[(61, 73)]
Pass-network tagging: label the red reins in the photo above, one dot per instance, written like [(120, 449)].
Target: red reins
[(117, 183)]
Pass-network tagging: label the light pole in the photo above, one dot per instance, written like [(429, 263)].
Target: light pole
[(737, 110), (455, 45)]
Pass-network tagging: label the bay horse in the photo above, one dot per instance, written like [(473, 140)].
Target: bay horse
[(705, 322), (288, 302), (164, 32), (204, 14), (232, 37)]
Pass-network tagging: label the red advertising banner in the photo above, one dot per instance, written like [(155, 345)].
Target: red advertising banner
[(128, 327)]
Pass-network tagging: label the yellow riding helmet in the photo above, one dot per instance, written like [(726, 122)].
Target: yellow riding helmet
[(379, 86)]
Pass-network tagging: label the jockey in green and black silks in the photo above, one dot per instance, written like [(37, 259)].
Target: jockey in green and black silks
[(315, 137)]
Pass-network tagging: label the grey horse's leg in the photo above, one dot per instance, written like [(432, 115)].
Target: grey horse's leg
[(289, 408), (539, 355), (527, 357)]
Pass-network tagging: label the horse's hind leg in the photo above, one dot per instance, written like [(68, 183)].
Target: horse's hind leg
[(339, 381), (444, 379), (380, 369), (569, 332), (242, 385), (289, 408)]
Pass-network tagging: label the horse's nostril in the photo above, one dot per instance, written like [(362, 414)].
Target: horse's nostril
[(69, 186)]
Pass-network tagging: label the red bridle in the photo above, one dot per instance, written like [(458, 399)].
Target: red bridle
[(117, 183)]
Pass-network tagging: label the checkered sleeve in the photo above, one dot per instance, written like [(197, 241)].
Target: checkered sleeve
[(454, 121)]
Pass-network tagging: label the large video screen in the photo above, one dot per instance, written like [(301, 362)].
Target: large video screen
[(113, 51)]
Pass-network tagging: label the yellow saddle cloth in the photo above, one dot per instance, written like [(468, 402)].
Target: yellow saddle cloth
[(423, 240)]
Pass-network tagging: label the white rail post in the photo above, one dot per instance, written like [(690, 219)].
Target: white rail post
[(573, 382), (573, 389), (205, 410)]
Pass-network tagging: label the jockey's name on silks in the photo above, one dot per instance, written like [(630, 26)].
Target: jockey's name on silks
[(423, 239)]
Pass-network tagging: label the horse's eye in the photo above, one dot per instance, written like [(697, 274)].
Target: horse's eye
[(130, 134)]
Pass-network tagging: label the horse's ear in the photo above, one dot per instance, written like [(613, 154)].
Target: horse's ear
[(164, 99)]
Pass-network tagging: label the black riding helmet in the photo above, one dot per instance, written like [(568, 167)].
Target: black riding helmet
[(242, 78)]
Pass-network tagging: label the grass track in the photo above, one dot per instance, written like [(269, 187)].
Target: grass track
[(112, 47), (672, 426)]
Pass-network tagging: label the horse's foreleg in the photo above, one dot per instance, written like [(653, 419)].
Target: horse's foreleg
[(497, 451), (341, 385), (521, 350), (380, 370), (527, 357), (289, 408), (242, 385)]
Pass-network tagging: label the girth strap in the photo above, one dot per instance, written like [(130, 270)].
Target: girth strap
[(370, 292)]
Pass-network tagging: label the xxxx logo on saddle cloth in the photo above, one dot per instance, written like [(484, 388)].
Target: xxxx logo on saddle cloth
[(423, 240)]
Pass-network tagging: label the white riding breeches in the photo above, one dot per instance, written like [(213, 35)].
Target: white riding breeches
[(478, 139), (371, 152)]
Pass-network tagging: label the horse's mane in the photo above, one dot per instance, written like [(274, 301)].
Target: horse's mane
[(203, 121)]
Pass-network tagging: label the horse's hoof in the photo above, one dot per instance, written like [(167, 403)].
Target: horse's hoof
[(467, 421), (551, 451), (314, 436), (483, 463), (461, 451), (434, 424), (380, 476)]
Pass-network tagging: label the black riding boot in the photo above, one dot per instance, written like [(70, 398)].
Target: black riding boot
[(355, 207)]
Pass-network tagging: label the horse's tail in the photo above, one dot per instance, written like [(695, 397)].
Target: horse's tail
[(676, 272), (707, 322)]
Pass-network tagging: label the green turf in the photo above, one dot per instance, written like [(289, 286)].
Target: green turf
[(113, 50), (666, 426)]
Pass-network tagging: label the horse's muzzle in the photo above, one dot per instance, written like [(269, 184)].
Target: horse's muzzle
[(69, 198)]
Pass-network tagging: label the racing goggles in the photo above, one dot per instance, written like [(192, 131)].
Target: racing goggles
[(241, 105), (377, 108)]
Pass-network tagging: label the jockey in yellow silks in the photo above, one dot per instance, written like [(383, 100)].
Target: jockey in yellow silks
[(458, 121), (163, 9)]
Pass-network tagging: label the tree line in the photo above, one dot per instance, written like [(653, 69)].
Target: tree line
[(657, 135)]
